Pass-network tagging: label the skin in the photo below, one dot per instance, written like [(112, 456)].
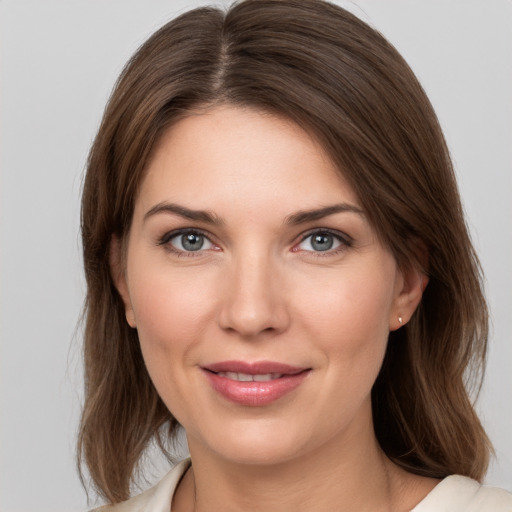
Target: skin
[(258, 290)]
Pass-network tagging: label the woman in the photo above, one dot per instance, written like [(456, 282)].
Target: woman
[(277, 261)]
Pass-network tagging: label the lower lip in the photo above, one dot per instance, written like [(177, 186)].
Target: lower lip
[(255, 394)]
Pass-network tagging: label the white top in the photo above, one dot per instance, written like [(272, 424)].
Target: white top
[(453, 494)]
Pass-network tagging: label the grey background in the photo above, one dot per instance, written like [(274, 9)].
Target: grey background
[(58, 62)]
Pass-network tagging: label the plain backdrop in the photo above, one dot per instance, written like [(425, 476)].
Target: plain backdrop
[(58, 62)]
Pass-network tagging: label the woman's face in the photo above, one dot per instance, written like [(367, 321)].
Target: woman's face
[(261, 294)]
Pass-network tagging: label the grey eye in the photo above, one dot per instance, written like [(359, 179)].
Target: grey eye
[(320, 241), (190, 242)]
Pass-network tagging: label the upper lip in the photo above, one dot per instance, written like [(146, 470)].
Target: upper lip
[(255, 368)]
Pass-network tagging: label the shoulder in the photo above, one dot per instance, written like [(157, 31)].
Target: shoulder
[(156, 499), (462, 494)]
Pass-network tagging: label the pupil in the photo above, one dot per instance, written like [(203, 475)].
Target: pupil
[(192, 242), (322, 242)]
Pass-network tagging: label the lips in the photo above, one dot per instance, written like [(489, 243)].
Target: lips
[(254, 384)]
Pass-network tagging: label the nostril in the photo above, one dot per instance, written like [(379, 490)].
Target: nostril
[(251, 305)]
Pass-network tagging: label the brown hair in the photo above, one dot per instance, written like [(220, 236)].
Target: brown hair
[(323, 68)]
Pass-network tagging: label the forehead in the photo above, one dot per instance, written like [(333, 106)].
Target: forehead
[(247, 157)]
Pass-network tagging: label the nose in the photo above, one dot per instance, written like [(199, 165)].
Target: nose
[(253, 301)]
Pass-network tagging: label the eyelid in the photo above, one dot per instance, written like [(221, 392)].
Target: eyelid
[(169, 235), (342, 237)]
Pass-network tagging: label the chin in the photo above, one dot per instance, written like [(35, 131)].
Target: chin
[(257, 445), (258, 454)]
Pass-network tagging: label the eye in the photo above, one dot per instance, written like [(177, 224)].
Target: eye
[(322, 241), (187, 241)]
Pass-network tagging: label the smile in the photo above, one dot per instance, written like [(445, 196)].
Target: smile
[(254, 384), (247, 377)]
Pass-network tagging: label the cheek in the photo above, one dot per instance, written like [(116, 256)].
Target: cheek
[(171, 311), (349, 321), (351, 304)]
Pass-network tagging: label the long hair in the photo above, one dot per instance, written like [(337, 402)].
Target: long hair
[(323, 68)]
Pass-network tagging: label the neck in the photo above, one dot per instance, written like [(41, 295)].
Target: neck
[(349, 473)]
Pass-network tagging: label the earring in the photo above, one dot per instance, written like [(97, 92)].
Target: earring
[(400, 320)]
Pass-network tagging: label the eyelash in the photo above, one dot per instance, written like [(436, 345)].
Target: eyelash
[(344, 240), (164, 241)]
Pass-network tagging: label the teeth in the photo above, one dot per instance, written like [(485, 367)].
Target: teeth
[(267, 376), (264, 377), (246, 377)]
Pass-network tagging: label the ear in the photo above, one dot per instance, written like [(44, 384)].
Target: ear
[(409, 287), (118, 273)]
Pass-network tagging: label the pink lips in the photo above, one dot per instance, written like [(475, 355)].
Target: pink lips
[(254, 384)]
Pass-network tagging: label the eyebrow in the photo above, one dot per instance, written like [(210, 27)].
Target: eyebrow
[(205, 216), (209, 217), (304, 216)]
